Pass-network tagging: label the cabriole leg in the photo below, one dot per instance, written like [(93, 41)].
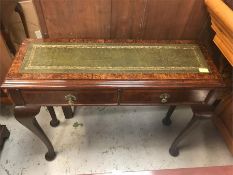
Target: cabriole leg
[(174, 151), (67, 110), (4, 134), (54, 122), (26, 116), (167, 119)]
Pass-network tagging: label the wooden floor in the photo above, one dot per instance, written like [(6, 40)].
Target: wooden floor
[(218, 170)]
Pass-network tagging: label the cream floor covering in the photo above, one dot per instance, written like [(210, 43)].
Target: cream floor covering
[(112, 139)]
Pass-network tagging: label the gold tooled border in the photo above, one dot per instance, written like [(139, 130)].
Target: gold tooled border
[(29, 66)]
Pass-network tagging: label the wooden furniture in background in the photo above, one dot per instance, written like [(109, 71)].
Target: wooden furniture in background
[(224, 119), (7, 47), (5, 60), (221, 20), (123, 19), (222, 24)]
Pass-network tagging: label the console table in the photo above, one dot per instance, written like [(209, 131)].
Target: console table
[(75, 72)]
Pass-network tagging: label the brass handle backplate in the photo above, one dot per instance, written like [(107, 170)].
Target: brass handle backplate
[(71, 99), (164, 97)]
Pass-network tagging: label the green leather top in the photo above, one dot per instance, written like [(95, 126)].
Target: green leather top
[(113, 58)]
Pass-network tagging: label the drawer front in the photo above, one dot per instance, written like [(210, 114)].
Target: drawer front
[(81, 96), (131, 96)]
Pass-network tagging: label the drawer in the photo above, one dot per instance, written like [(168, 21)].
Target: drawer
[(136, 96), (79, 97)]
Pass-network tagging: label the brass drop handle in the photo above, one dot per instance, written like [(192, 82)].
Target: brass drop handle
[(71, 99), (164, 97)]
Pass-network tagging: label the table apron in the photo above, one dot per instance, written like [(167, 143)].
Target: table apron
[(116, 96)]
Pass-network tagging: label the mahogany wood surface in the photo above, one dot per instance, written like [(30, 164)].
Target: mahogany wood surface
[(5, 59), (26, 116), (128, 19), (4, 134), (54, 122), (68, 112), (113, 96), (89, 18), (214, 170), (124, 19), (224, 111), (167, 119), (83, 96), (5, 63), (224, 120), (181, 96)]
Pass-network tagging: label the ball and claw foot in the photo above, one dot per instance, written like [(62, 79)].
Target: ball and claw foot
[(54, 123), (174, 152), (167, 122), (50, 156)]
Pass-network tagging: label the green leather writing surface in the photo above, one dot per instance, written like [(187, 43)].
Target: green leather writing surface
[(113, 58)]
